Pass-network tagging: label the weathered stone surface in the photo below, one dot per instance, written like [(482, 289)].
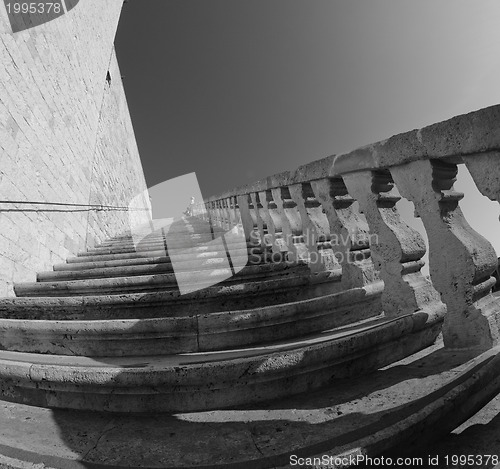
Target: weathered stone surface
[(314, 229), (485, 170), (396, 248), (461, 260), (405, 406), (471, 133), (214, 379), (194, 333), (349, 232), (66, 137)]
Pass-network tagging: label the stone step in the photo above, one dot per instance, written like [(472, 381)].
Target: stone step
[(197, 333), (168, 303), (148, 283), (151, 239), (200, 251), (135, 270), (404, 406), (254, 259), (211, 380), (75, 266), (161, 239), (171, 244)]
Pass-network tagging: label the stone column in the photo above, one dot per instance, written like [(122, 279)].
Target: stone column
[(236, 214), (216, 217), (249, 227), (233, 216), (349, 232), (273, 221), (211, 214), (397, 249), (461, 260), (315, 229), (226, 213), (291, 224), (260, 221), (223, 215), (485, 170)]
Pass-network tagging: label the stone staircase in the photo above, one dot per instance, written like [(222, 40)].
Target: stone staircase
[(88, 330), (307, 330)]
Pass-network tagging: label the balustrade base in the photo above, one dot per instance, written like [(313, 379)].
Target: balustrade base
[(479, 328)]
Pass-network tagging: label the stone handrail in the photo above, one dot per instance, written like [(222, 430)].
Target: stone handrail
[(339, 213)]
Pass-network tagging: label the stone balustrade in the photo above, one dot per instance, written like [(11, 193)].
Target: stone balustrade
[(339, 215)]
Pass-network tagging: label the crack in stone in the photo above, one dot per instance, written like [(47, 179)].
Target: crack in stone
[(252, 436), (108, 427)]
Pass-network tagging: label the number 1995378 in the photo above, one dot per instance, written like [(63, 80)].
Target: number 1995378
[(33, 7)]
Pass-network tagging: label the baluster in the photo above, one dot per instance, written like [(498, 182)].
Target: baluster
[(461, 260), (249, 225), (213, 216), (222, 216), (291, 224), (206, 214), (236, 215), (315, 229), (349, 232), (226, 213), (485, 170), (231, 213), (399, 249), (260, 220), (273, 222)]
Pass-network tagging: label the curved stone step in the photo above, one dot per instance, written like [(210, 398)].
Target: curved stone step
[(169, 245), (170, 240), (145, 283), (407, 405), (254, 258), (200, 251), (197, 333), (137, 261), (76, 266), (142, 269), (158, 239), (209, 380), (166, 303)]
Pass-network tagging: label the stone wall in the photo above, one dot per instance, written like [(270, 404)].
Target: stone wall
[(65, 137)]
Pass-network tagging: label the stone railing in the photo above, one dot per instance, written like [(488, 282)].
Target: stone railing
[(339, 214)]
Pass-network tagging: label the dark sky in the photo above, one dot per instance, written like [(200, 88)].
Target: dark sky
[(236, 90)]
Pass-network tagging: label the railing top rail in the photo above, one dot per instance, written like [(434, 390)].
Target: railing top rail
[(309, 172), (467, 134)]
